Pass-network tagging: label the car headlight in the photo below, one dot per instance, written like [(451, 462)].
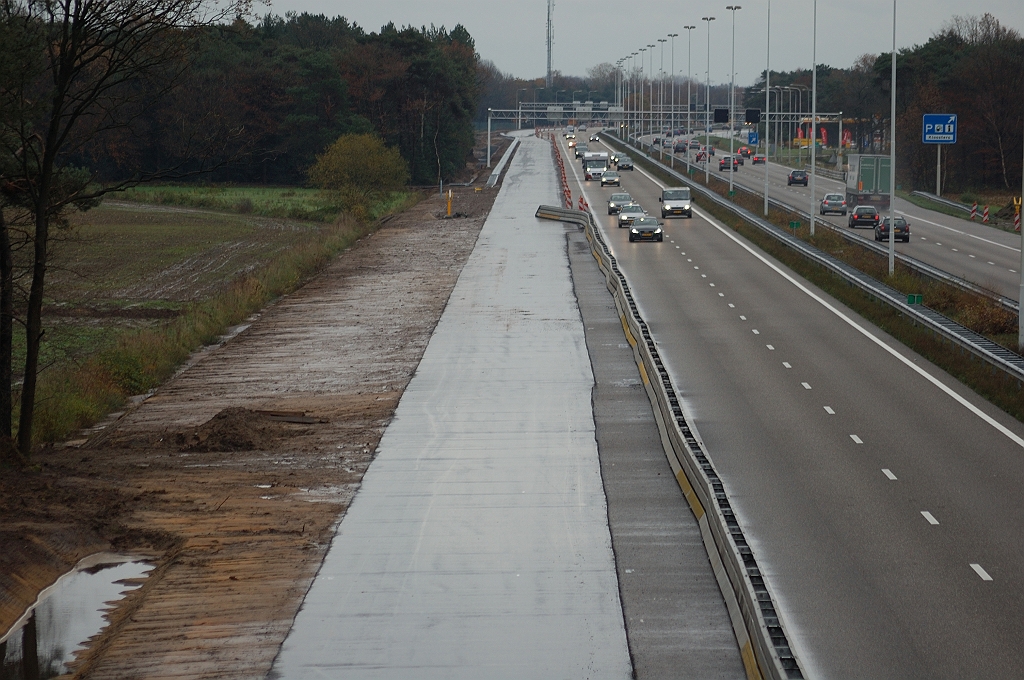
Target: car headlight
[(686, 206), (658, 230), (635, 230)]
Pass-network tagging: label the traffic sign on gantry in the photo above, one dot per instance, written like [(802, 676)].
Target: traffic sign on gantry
[(938, 128)]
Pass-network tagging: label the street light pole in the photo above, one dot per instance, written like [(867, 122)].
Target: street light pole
[(640, 120), (689, 105), (732, 100), (650, 100), (707, 107), (814, 112), (661, 96), (892, 152), (768, 104), (672, 121)]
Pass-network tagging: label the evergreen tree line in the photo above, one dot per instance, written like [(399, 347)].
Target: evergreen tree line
[(973, 67), (283, 90)]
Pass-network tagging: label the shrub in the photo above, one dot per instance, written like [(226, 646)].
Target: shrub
[(359, 164)]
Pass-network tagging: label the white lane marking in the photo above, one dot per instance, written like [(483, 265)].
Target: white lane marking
[(888, 473), (712, 285), (732, 306), (991, 262), (981, 572), (770, 347), (696, 267), (688, 259), (856, 439), (742, 318), (721, 295), (953, 394), (938, 244), (958, 231), (806, 386), (955, 250), (929, 516), (970, 256), (828, 410), (787, 364), (682, 253), (703, 276), (756, 332)]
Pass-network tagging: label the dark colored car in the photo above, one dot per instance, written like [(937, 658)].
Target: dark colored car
[(624, 163), (694, 144), (864, 216), (657, 141), (833, 203), (646, 228), (758, 159), (616, 201), (594, 137), (680, 147), (900, 233), (729, 163), (797, 177), (581, 149), (744, 151)]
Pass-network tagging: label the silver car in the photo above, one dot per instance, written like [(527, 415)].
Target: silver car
[(833, 203), (630, 212)]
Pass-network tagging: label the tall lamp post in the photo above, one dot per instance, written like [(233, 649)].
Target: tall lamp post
[(689, 105), (519, 108), (732, 98), (768, 104), (661, 95), (650, 100), (672, 121), (707, 108), (632, 68), (640, 106), (814, 111), (892, 151)]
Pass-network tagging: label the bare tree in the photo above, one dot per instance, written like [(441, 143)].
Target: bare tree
[(76, 71)]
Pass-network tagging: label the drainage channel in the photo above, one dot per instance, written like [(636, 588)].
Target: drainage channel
[(44, 641)]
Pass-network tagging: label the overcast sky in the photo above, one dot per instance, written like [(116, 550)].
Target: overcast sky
[(588, 32)]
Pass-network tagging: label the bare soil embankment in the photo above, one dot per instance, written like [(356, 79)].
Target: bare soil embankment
[(232, 477)]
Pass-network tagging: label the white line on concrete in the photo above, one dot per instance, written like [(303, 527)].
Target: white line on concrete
[(856, 439), (828, 410), (981, 572), (960, 231), (807, 386), (742, 318), (771, 347), (929, 516), (787, 364), (756, 332), (888, 473)]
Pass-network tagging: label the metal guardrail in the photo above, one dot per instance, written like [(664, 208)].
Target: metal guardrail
[(764, 646), (978, 345), (944, 201)]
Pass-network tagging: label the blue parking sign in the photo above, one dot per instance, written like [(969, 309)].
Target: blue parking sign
[(752, 137), (938, 128)]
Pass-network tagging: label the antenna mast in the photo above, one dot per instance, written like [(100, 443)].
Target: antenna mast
[(551, 38)]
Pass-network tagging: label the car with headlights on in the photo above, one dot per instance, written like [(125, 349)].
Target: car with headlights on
[(624, 163), (630, 212), (594, 137), (610, 178), (581, 149), (864, 215), (758, 159), (675, 201), (646, 228), (901, 232), (833, 203), (616, 201)]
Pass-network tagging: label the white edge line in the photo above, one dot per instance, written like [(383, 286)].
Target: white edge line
[(981, 572), (863, 331)]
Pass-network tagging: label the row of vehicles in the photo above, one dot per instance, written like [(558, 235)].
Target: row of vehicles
[(644, 227)]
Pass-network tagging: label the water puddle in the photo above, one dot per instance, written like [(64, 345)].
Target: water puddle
[(66, 615)]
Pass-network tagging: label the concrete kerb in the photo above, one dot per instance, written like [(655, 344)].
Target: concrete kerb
[(493, 179), (995, 355), (764, 647)]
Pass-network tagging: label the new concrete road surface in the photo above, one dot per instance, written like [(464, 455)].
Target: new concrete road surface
[(479, 544), (881, 497)]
